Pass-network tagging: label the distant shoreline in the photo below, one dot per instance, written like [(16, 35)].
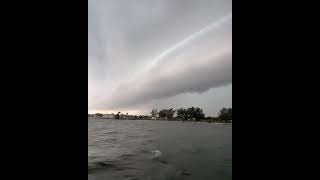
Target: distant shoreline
[(203, 121)]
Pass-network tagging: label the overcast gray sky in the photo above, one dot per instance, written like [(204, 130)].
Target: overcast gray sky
[(145, 54)]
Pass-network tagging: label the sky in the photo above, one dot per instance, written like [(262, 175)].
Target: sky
[(145, 54)]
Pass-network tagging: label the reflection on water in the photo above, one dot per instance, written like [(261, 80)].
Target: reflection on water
[(158, 150)]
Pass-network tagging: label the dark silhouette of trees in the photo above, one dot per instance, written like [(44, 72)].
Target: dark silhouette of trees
[(198, 114), (190, 114), (99, 115), (162, 113), (225, 114), (154, 113), (117, 116), (182, 114), (170, 113), (167, 113)]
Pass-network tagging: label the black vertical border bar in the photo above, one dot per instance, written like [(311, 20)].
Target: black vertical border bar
[(45, 89)]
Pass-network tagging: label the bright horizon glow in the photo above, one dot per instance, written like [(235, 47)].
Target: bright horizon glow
[(130, 112)]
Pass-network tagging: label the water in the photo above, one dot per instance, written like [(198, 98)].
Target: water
[(158, 150)]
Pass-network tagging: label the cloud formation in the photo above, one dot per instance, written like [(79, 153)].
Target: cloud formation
[(139, 53)]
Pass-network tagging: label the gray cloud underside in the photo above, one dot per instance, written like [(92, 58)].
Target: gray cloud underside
[(195, 80), (194, 66)]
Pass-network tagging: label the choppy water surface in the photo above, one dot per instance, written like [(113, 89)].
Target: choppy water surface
[(158, 150)]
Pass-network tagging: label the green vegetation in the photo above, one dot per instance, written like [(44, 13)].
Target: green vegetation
[(181, 114), (192, 114), (99, 115), (166, 113), (117, 116), (225, 114), (154, 113)]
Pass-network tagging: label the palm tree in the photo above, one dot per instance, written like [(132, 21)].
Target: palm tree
[(154, 113)]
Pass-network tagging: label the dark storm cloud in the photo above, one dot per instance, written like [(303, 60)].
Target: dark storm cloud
[(193, 80)]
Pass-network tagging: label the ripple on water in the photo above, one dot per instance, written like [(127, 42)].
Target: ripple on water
[(126, 156), (100, 165), (121, 150)]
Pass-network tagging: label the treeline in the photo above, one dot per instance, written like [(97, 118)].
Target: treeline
[(119, 116), (182, 114), (191, 114), (224, 115), (96, 115)]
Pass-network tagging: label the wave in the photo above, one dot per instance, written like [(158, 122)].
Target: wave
[(156, 154)]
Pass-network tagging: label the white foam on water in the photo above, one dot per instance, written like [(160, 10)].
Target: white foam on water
[(156, 153)]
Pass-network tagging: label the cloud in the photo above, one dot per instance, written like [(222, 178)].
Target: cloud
[(140, 52), (196, 64)]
